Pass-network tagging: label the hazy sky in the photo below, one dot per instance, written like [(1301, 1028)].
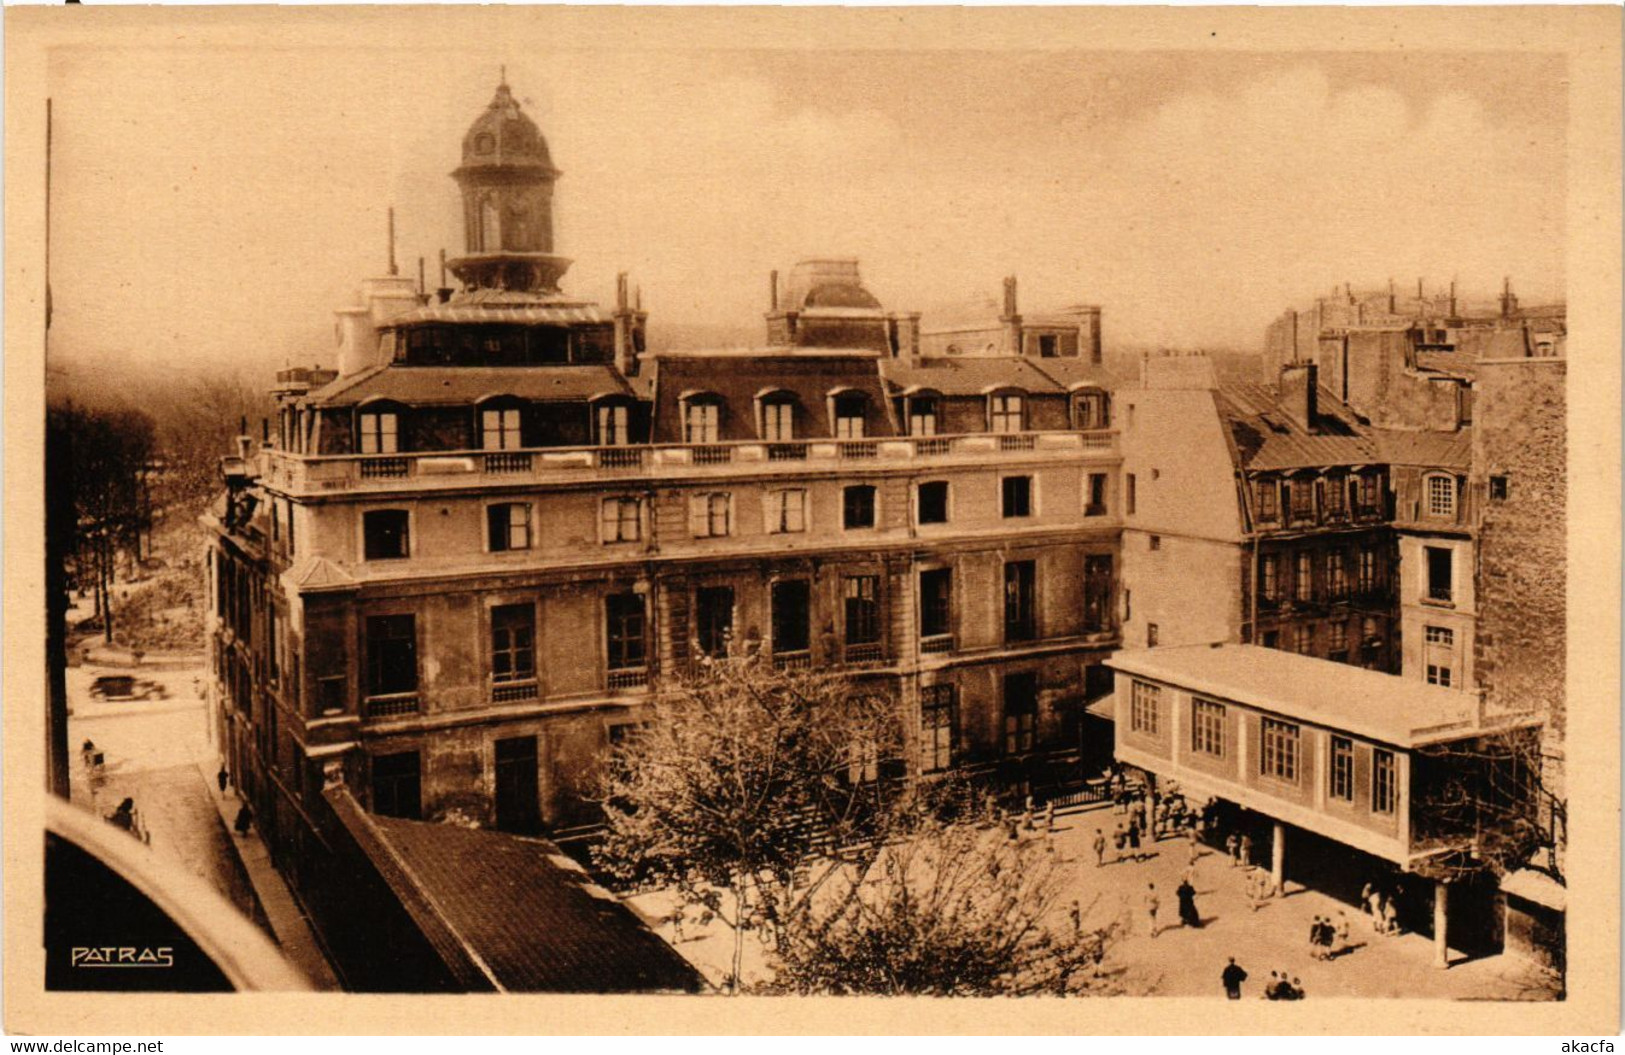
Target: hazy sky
[(215, 203)]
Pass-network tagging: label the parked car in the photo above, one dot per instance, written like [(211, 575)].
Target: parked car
[(127, 687)]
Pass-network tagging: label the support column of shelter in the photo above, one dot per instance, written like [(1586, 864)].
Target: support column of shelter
[(1441, 915), (1278, 859)]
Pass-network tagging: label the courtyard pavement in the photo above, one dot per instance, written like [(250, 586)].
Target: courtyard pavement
[(1179, 961)]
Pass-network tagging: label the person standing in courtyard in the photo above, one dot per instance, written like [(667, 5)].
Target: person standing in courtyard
[(1390, 917), (1342, 933), (223, 779), (1152, 903), (1100, 847), (1246, 850), (1134, 842), (1195, 845), (1232, 977), (1187, 904), (245, 818), (1232, 846)]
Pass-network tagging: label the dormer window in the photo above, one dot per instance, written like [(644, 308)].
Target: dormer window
[(1091, 410), (379, 431), (1441, 496), (1006, 413), (922, 416), (849, 417), (499, 428), (778, 418), (612, 424), (702, 419)]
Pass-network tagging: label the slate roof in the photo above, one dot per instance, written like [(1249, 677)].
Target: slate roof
[(968, 376), (514, 914), (739, 377), (422, 385), (562, 314), (1444, 450), (1074, 373), (1265, 438)]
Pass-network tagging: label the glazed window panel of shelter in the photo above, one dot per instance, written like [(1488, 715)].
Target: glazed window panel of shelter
[(622, 519), (380, 432), (1145, 708), (1384, 786), (1207, 727), (939, 706), (1279, 758), (1341, 777), (513, 642)]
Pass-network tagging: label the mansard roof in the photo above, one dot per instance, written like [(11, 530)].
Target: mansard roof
[(1267, 438)]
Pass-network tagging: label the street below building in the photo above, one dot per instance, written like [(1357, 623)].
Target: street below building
[(1180, 961)]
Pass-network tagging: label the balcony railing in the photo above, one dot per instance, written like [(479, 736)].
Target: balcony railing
[(392, 705), (508, 692), (937, 643), (801, 660), (873, 652), (627, 679), (300, 472)]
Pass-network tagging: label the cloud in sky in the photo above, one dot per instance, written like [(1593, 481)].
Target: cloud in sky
[(218, 205)]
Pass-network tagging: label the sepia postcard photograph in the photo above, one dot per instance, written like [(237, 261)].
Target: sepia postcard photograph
[(748, 520)]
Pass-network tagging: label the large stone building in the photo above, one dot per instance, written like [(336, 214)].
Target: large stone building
[(452, 576)]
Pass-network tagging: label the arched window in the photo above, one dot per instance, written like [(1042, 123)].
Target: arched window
[(922, 413), (702, 418), (490, 226), (776, 411), (1091, 409), (1006, 412), (500, 424), (847, 408), (378, 428)]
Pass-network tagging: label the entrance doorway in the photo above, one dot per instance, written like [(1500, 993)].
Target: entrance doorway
[(518, 791)]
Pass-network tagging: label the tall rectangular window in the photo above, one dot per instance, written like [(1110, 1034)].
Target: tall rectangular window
[(397, 785), (1020, 609), (786, 511), (1020, 712), (1367, 582), (622, 519), (1337, 575), (1017, 496), (1266, 500), (384, 534), (1303, 500), (710, 515), (513, 642), (1384, 787), (613, 425), (380, 433), (931, 502), (1094, 504), (858, 507), (861, 594), (1337, 642), (1303, 640), (625, 626), (1091, 411), (499, 429), (507, 526), (792, 616), (1279, 758), (1145, 704), (392, 655), (1207, 728), (1005, 413), (1438, 674), (1439, 569), (1336, 496), (936, 602), (849, 417), (1269, 582), (1342, 771), (1097, 592), (1368, 492), (714, 618), (702, 421), (1130, 494), (922, 416), (938, 720), (778, 421), (1303, 576)]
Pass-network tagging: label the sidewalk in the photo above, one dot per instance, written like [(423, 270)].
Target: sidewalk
[(287, 921)]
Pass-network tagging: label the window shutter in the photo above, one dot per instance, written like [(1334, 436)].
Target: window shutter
[(496, 527), (698, 520)]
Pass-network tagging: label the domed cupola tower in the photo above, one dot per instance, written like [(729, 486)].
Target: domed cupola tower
[(507, 181)]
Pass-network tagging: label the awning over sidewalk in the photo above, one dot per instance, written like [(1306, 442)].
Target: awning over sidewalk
[(1538, 887)]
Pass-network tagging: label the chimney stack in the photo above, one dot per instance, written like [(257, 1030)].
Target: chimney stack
[(1452, 298), (1391, 302), (393, 270), (1010, 309), (773, 290), (1298, 392), (443, 292)]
